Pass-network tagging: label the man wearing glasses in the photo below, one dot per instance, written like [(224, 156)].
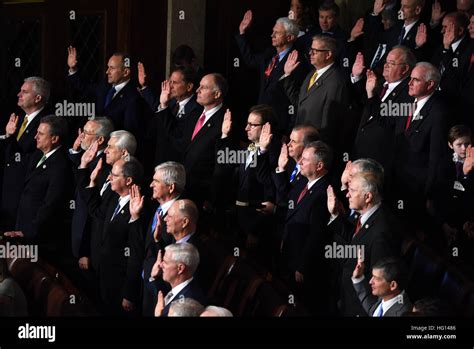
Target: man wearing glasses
[(323, 97), (375, 135)]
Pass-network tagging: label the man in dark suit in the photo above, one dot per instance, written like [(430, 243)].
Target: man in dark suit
[(178, 266), (323, 98), (43, 201), (304, 237), (199, 138), (270, 65), (168, 185), (121, 247), (176, 102), (371, 236), (117, 98), (19, 144), (96, 130), (255, 195), (420, 144), (376, 133), (384, 294)]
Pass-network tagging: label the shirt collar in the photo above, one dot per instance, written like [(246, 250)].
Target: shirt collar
[(455, 45), (365, 217), (185, 239), (33, 115), (283, 53), (211, 112), (166, 206), (120, 86), (177, 289), (386, 305)]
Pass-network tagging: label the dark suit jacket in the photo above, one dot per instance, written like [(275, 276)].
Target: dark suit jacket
[(81, 222), (324, 105), (121, 252), (168, 130), (199, 155), (271, 92), (378, 240), (420, 149), (44, 200), (304, 232), (370, 302), (126, 110), (376, 134), (17, 156), (192, 290)]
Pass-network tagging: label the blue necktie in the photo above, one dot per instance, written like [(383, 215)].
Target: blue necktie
[(401, 36), (117, 209), (380, 313), (155, 219), (109, 97), (293, 174)]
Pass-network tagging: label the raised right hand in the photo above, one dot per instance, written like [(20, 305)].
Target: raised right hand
[(291, 63), (165, 95), (227, 123), (359, 66), (357, 30), (12, 124), (283, 158), (141, 74), (246, 22), (155, 271), (96, 171), (421, 35), (72, 58)]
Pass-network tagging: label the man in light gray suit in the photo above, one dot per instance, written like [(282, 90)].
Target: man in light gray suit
[(323, 97), (386, 297)]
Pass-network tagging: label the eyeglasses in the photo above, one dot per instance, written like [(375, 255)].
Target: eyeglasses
[(392, 63), (313, 51), (88, 133), (249, 124), (115, 175)]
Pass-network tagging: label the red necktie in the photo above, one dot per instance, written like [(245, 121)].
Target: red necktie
[(472, 62), (357, 229), (199, 124), (410, 116), (272, 65), (384, 90), (303, 193)]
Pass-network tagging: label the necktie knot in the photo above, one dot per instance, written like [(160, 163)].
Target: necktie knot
[(22, 128), (199, 125), (384, 90), (43, 159), (116, 211), (380, 313), (168, 297), (110, 96), (312, 80), (294, 174), (271, 66)]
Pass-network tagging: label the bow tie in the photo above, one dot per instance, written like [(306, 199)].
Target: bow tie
[(252, 147)]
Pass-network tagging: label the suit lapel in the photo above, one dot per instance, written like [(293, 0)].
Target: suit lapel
[(421, 117), (317, 85)]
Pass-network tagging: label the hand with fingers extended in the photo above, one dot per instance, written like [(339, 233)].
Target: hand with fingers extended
[(141, 75), (127, 305), (226, 124), (358, 66), (72, 58), (291, 63), (357, 30), (156, 270), (246, 22), (421, 35), (283, 159), (160, 304), (449, 36), (436, 13), (346, 175), (468, 165), (95, 173), (12, 125), (265, 137), (14, 234), (334, 206), (77, 143), (136, 202), (165, 96), (370, 83), (90, 154), (379, 6), (360, 266)]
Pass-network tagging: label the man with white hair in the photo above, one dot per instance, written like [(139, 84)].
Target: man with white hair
[(178, 266), (186, 307), (270, 64), (18, 144), (213, 311)]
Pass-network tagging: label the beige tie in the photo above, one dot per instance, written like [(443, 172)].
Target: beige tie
[(22, 128)]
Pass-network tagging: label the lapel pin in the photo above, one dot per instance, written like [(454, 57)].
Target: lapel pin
[(122, 212), (208, 125), (366, 226), (44, 166)]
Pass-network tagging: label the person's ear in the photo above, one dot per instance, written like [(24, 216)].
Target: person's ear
[(100, 140), (55, 139), (450, 145), (189, 87), (393, 285), (128, 181)]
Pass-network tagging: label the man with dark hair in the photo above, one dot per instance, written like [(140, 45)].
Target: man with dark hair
[(387, 296), (46, 191), (184, 56), (116, 98)]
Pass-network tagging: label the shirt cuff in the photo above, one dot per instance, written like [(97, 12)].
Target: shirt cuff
[(277, 170), (358, 280), (333, 218), (355, 79), (72, 151)]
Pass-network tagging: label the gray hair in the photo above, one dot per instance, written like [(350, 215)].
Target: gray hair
[(187, 208), (220, 84), (218, 311), (40, 87), (432, 73), (57, 126), (184, 307), (173, 173), (184, 253), (373, 167), (370, 184), (105, 127), (322, 152), (291, 27), (408, 57), (125, 140)]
